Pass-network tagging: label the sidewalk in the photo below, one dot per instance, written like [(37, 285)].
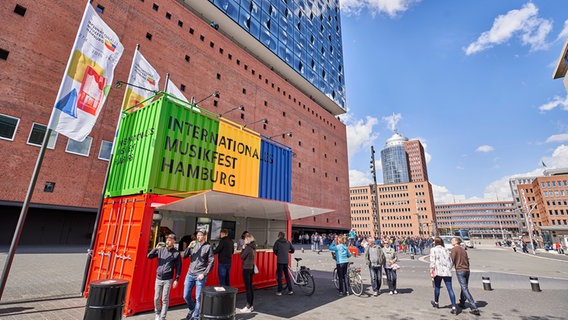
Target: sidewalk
[(46, 286)]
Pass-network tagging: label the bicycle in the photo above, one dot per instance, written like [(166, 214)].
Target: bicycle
[(301, 277), (354, 279)]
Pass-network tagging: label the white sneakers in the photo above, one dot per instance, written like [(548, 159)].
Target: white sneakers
[(247, 309)]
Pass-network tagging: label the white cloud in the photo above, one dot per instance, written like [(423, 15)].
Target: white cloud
[(360, 134), (556, 102), (559, 158), (390, 7), (484, 148), (358, 178), (564, 33), (524, 23), (392, 120), (558, 138)]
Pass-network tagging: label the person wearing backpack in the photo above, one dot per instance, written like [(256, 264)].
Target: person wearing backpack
[(375, 258)]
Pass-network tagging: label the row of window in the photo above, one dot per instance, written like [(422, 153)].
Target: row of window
[(552, 184), (557, 222), (555, 194), (9, 126)]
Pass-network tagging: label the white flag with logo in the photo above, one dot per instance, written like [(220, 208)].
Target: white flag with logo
[(144, 79), (87, 79)]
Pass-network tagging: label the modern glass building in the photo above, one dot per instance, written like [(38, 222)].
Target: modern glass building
[(394, 160), (299, 39)]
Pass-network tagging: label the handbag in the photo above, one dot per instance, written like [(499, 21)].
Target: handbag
[(255, 269), (395, 266)]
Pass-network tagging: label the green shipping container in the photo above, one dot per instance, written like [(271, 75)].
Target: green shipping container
[(163, 148)]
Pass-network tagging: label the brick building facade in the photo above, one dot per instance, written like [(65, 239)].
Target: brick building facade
[(35, 44)]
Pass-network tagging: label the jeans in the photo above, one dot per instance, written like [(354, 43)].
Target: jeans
[(162, 289), (247, 278), (224, 271), (391, 278), (190, 282), (463, 279), (448, 284), (342, 275), (376, 277), (283, 268)]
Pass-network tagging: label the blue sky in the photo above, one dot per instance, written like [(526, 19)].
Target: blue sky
[(472, 80)]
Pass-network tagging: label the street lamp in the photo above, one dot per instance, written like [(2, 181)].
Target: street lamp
[(528, 218), (376, 211)]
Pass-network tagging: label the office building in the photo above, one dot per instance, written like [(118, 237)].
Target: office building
[(281, 60), (492, 219)]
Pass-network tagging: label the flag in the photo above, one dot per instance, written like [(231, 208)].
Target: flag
[(87, 79), (174, 91), (143, 82)]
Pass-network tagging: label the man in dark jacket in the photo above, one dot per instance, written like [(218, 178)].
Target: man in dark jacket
[(225, 250), (461, 263), (282, 248), (168, 261)]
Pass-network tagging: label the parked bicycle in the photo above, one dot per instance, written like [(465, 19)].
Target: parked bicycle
[(302, 277), (354, 279)]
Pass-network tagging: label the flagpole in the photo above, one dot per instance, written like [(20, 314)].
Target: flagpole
[(23, 214), (29, 194), (167, 80)]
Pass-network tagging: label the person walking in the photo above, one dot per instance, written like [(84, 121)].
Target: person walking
[(225, 251), (342, 255), (282, 247), (461, 264), (248, 258), (375, 258), (169, 263), (201, 262), (441, 270), (390, 266)]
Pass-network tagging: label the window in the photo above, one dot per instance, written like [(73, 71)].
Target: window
[(168, 16), (106, 149), (4, 54), (38, 133), (180, 23), (8, 126), (79, 148), (187, 58), (100, 9), (149, 36), (20, 10), (155, 7)]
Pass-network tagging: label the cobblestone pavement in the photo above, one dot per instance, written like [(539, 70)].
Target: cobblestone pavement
[(46, 285)]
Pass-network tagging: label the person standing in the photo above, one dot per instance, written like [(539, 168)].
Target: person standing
[(201, 262), (241, 241), (351, 238), (375, 258), (248, 257), (390, 259), (169, 263), (342, 255), (281, 249), (225, 251), (461, 264), (441, 270)]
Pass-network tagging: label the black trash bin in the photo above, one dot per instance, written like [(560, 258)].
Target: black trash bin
[(106, 299), (218, 303)]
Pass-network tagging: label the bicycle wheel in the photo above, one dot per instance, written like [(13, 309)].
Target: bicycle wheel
[(306, 282), (335, 278), (356, 283)]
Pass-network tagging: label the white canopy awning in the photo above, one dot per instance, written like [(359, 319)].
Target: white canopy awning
[(226, 204)]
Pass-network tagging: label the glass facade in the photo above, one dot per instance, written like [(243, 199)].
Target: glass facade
[(395, 166), (306, 34)]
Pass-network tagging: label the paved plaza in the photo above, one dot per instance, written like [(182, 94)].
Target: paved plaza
[(44, 284)]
